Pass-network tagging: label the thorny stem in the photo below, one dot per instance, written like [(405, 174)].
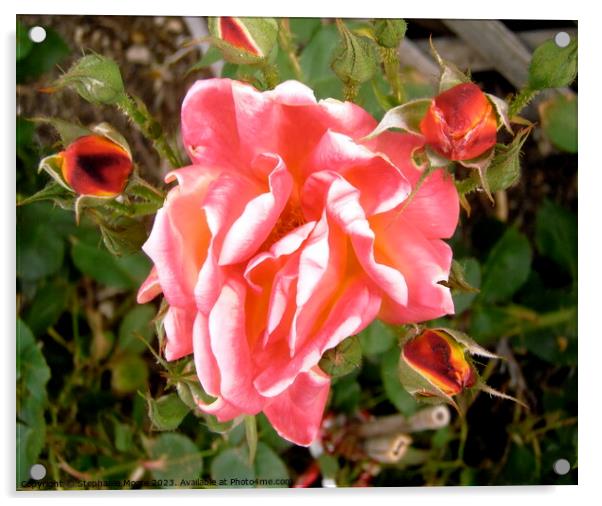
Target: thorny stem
[(270, 73), (391, 66), (150, 128), (521, 100)]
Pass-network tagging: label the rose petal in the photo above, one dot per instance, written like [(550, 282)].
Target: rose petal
[(259, 216), (150, 288), (424, 262), (296, 413), (434, 208), (350, 312), (177, 245), (382, 186), (230, 348), (178, 330)]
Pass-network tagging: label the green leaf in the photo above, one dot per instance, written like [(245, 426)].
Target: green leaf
[(270, 471), (32, 376), (40, 245), (346, 394), (396, 393), (53, 192), (49, 303), (559, 122), (67, 130), (376, 338), (553, 66), (472, 276), (304, 28), (556, 235), (507, 267), (167, 412), (129, 374), (138, 321), (488, 323), (42, 57), (231, 468), (315, 63), (30, 443), (342, 359), (212, 55), (268, 434), (97, 79), (124, 436), (124, 236), (125, 272), (176, 458), (32, 370)]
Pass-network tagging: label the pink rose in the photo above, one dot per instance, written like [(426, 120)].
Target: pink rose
[(286, 235)]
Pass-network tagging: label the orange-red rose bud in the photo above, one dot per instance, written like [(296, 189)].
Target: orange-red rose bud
[(234, 32), (95, 165), (461, 123), (441, 360)]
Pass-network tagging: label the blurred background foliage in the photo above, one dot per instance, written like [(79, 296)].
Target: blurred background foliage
[(94, 403)]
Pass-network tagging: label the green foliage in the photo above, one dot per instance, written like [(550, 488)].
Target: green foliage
[(559, 122), (41, 239), (376, 338), (396, 393), (124, 273), (32, 375), (556, 236), (129, 374), (553, 66), (175, 458), (472, 275), (166, 412), (231, 468), (507, 267), (136, 324)]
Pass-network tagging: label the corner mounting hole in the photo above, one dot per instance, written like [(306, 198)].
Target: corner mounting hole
[(37, 34), (562, 39), (562, 467)]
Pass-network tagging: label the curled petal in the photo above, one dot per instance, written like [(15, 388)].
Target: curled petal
[(150, 288), (178, 330)]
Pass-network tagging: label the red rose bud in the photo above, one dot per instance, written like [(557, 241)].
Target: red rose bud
[(95, 165), (244, 40), (461, 123), (440, 359)]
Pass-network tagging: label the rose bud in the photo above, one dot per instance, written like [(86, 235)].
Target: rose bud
[(95, 165), (440, 359), (461, 123), (244, 40)]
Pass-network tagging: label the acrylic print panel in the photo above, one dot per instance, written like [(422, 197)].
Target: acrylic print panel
[(260, 252)]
